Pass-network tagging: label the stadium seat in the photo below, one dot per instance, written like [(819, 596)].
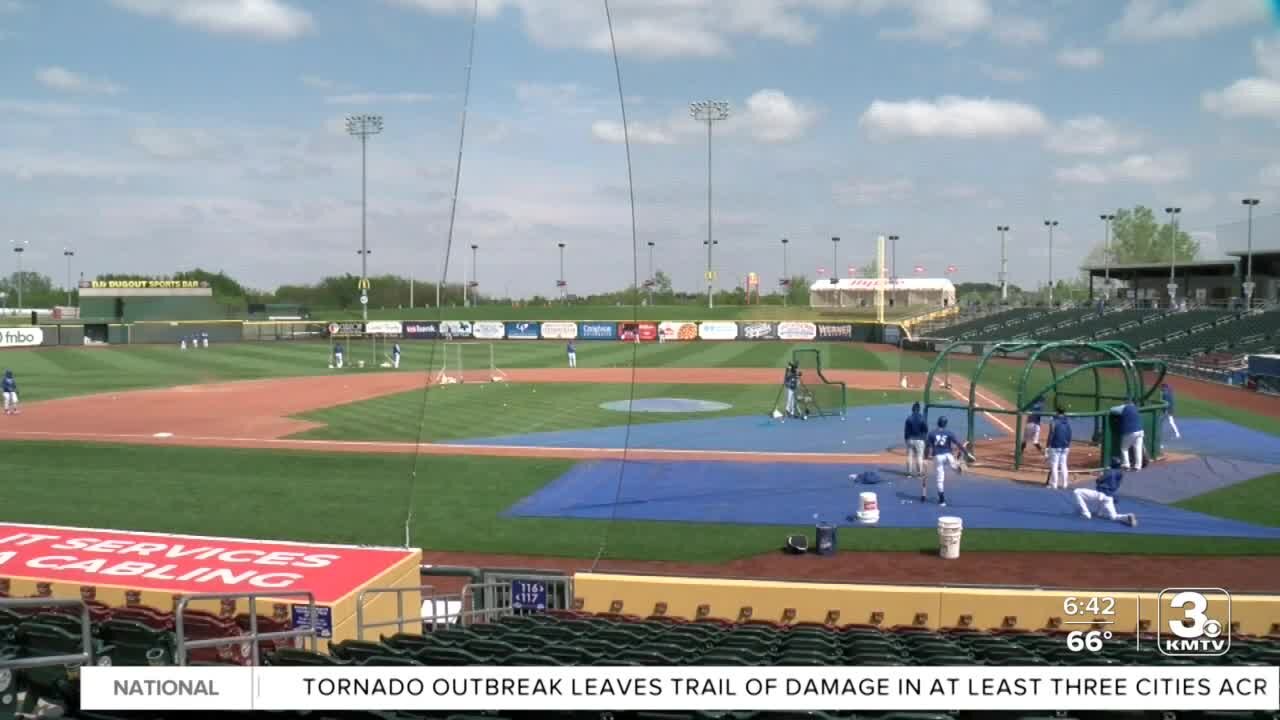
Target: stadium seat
[(134, 643), (293, 657), (356, 651)]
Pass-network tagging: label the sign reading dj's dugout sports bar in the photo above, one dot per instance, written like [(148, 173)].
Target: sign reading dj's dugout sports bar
[(145, 284)]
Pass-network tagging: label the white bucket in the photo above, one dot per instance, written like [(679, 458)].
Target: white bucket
[(949, 531), (868, 508)]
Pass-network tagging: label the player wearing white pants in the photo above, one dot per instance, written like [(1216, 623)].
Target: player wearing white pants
[(395, 356), (1166, 394), (9, 387), (941, 442), (791, 381), (573, 354), (1059, 450), (1033, 424), (914, 432), (337, 356), (1101, 501)]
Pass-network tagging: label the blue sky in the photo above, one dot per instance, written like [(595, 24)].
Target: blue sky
[(155, 135)]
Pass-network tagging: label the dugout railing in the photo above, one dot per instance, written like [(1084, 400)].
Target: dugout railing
[(251, 641)]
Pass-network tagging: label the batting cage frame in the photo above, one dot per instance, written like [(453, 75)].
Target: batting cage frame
[(453, 370), (826, 398), (1086, 379)]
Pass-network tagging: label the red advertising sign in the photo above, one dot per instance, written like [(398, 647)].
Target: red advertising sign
[(647, 331), (188, 564)]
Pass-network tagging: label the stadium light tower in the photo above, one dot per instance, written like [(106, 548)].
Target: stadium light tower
[(1174, 212), (475, 294), (1051, 224), (893, 258), (363, 126), (1107, 219), (68, 253), (709, 111), (19, 247), (564, 287), (786, 276), (1004, 264), (1250, 203), (835, 257), (651, 280)]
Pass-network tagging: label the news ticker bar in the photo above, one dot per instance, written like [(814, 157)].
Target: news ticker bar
[(681, 688)]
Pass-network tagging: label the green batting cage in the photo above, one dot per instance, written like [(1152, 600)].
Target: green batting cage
[(816, 393), (1085, 379)]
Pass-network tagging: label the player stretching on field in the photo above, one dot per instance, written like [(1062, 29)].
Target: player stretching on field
[(914, 432), (1102, 500), (9, 387), (940, 443)]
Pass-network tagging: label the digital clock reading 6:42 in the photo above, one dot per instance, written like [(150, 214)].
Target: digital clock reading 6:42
[(1097, 605)]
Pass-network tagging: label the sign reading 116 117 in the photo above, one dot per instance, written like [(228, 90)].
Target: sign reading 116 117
[(528, 595)]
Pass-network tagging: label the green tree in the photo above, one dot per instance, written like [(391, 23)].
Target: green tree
[(1137, 237)]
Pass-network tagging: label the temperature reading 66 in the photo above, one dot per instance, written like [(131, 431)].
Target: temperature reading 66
[(1091, 640)]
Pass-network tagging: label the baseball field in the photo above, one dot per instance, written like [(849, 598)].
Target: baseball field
[(657, 457)]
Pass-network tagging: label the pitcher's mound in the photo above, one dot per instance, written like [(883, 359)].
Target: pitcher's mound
[(666, 405)]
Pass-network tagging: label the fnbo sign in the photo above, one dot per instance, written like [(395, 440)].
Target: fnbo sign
[(21, 337)]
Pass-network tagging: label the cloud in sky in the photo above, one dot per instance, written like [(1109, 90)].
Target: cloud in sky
[(64, 80), (952, 117), (268, 19), (1085, 58)]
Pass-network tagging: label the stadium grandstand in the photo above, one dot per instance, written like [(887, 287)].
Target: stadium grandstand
[(900, 292)]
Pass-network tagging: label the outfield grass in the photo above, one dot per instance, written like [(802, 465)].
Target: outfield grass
[(60, 372), (484, 410), (1254, 501), (457, 502)]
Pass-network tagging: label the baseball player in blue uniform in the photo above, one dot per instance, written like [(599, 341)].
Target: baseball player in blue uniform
[(791, 381), (1131, 434), (940, 443), (395, 355), (1166, 394), (337, 355), (573, 354), (1101, 501), (914, 432), (1059, 449), (204, 338), (1033, 424), (9, 386)]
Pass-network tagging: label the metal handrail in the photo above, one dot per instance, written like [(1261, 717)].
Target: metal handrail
[(254, 637), (399, 622), (86, 635)]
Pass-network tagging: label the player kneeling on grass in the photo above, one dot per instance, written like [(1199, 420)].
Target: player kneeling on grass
[(1102, 500), (939, 447), (914, 432), (9, 387)]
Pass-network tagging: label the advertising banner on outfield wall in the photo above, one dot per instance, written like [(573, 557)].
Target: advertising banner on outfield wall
[(797, 331), (757, 331), (421, 330), (346, 329), (488, 330), (718, 330), (455, 328), (559, 330), (644, 332), (389, 328), (835, 331), (21, 337), (678, 330), (598, 331), (522, 330)]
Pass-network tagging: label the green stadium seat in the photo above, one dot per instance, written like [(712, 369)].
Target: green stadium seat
[(568, 654), (356, 651), (448, 656), (295, 657), (389, 661)]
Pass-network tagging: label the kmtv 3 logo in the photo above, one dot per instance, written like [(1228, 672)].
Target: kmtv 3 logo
[(1194, 621)]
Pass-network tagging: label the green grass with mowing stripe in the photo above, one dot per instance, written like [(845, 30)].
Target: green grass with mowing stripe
[(1254, 501), (458, 502), (61, 372), (488, 410)]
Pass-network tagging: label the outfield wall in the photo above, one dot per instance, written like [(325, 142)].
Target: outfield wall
[(173, 331), (899, 605)]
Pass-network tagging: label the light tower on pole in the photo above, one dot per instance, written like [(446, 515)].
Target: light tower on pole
[(1106, 218), (363, 126), (1051, 224), (475, 294), (1250, 203), (19, 247), (709, 111), (786, 275), (1004, 264), (564, 286), (68, 253), (652, 282), (1174, 212)]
